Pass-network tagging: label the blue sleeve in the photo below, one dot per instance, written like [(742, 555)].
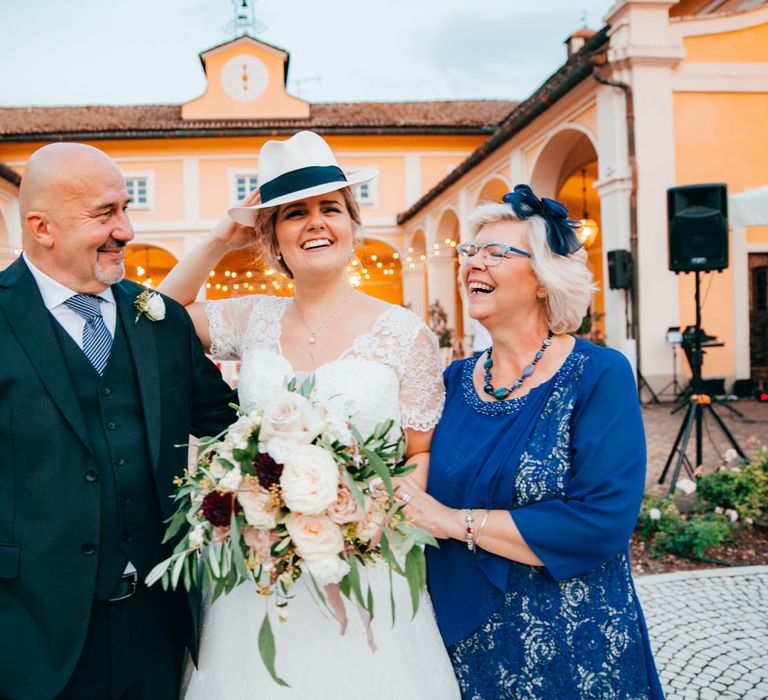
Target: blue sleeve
[(597, 516)]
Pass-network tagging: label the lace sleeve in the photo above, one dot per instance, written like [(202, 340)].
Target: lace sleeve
[(422, 394), (227, 326)]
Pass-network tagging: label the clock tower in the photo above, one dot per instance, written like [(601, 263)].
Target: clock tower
[(246, 80)]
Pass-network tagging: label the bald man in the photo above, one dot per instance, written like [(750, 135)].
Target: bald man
[(92, 402)]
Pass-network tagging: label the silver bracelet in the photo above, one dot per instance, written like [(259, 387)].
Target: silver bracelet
[(469, 534), (482, 526)]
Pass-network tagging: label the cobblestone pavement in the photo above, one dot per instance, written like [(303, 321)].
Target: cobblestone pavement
[(751, 432), (709, 632)]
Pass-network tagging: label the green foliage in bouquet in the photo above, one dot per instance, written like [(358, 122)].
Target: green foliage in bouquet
[(727, 503), (245, 515)]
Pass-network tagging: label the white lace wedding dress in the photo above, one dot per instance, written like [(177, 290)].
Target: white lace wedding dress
[(390, 372)]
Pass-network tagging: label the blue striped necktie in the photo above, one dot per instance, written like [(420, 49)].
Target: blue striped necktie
[(96, 338)]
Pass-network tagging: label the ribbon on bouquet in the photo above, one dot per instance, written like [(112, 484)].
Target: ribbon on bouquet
[(366, 618), (333, 593)]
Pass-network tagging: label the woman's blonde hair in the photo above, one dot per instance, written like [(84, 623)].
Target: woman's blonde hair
[(566, 279), (265, 236)]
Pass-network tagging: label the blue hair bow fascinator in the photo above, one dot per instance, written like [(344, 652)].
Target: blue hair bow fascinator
[(561, 231)]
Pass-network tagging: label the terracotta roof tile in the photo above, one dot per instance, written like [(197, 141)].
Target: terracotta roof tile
[(141, 120)]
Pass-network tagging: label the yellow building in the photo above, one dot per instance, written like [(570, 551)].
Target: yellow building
[(665, 94), (185, 165)]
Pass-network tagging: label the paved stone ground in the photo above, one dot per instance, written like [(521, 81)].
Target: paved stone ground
[(709, 632), (709, 629), (661, 428)]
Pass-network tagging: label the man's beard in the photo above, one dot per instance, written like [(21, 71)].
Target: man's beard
[(110, 277)]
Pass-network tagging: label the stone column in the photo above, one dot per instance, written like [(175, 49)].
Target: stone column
[(415, 288), (642, 54)]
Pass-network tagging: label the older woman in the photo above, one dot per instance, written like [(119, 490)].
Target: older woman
[(536, 477)]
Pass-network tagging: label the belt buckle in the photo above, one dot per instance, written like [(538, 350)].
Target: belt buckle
[(134, 580)]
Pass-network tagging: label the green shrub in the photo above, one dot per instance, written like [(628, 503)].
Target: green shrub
[(727, 502), (744, 490), (696, 536)]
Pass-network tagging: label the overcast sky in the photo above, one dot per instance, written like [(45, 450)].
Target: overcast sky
[(62, 52)]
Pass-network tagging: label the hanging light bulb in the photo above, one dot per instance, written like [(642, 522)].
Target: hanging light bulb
[(587, 233)]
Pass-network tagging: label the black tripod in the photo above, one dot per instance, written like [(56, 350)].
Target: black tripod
[(673, 386), (698, 402)]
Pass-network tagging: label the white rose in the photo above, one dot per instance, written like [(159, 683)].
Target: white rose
[(316, 537), (155, 307), (654, 514), (278, 449), (255, 501), (197, 536), (337, 428), (687, 486), (327, 571), (730, 455), (309, 480), (231, 480), (292, 418), (239, 432), (217, 469)]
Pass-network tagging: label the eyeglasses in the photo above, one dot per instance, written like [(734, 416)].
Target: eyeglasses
[(492, 253)]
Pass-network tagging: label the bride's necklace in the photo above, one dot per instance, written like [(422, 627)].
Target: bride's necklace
[(312, 337), (502, 392)]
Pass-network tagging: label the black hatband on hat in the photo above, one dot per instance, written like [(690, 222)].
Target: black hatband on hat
[(301, 179)]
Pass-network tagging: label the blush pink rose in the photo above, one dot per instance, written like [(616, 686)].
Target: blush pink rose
[(369, 528), (316, 537), (260, 541), (345, 509)]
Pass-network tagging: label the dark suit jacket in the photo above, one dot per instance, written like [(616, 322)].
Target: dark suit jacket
[(46, 506)]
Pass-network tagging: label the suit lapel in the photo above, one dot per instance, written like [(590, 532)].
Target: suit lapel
[(32, 324), (141, 341)]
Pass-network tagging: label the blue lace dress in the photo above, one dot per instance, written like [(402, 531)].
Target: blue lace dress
[(567, 461)]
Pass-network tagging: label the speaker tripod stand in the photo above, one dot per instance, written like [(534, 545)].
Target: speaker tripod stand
[(698, 404)]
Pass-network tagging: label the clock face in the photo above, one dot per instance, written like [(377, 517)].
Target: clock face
[(244, 78)]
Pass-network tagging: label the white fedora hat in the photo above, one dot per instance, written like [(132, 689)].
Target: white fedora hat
[(302, 166)]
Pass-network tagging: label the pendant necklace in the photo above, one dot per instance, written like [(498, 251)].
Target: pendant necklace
[(312, 338), (502, 392)]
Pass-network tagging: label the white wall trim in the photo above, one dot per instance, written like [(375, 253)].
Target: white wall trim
[(720, 77)]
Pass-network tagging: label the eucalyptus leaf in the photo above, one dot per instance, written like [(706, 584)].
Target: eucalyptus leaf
[(177, 568), (267, 650), (355, 489), (158, 571), (380, 468)]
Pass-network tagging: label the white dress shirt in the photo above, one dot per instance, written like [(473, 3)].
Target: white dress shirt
[(54, 295)]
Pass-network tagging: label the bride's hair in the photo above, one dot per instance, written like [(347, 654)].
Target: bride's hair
[(266, 238)]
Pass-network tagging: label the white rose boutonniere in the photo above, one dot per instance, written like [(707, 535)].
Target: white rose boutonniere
[(150, 304)]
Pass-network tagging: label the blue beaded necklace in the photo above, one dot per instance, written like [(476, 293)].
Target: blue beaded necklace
[(502, 392)]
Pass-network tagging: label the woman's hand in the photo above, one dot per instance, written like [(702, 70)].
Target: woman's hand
[(440, 521), (231, 235)]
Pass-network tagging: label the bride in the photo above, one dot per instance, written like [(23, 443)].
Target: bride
[(379, 361)]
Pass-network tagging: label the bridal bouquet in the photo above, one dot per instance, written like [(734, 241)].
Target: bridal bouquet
[(291, 491)]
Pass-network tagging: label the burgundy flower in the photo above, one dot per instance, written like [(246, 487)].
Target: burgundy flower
[(267, 470), (217, 508)]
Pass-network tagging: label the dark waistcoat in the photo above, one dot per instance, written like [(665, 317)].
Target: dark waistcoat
[(131, 520)]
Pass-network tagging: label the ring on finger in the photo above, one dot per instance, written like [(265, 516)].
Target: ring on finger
[(405, 498)]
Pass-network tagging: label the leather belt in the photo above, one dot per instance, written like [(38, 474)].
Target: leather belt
[(128, 585)]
